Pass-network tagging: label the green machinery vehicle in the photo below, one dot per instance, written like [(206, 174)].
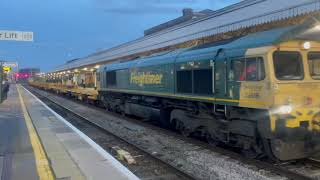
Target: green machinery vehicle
[(245, 93)]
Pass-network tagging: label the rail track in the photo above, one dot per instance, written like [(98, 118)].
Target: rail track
[(146, 167), (302, 169)]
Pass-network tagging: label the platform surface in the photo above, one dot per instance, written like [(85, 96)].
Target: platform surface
[(16, 154), (68, 152)]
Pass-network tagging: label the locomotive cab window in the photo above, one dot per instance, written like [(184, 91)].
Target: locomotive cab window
[(314, 64), (238, 69), (249, 69), (288, 65), (255, 69), (111, 78)]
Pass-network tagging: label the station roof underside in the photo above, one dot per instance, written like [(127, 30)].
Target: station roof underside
[(245, 14), (234, 48)]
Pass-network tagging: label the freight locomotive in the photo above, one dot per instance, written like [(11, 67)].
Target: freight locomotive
[(258, 93)]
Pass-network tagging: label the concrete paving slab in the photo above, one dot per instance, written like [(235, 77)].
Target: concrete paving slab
[(55, 122), (72, 144), (68, 170), (45, 113), (72, 141), (101, 170), (38, 119), (21, 166), (86, 155), (56, 150), (68, 136), (44, 123), (61, 130)]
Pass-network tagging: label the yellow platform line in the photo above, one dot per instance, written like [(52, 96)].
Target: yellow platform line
[(42, 163)]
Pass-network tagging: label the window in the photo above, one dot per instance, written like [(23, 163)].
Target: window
[(250, 69), (314, 64), (70, 77), (238, 66), (98, 76), (184, 81), (255, 69), (261, 70), (111, 78), (288, 65), (202, 81)]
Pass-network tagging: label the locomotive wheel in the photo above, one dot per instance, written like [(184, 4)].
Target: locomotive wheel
[(212, 141), (268, 151), (254, 149), (122, 113), (182, 129), (108, 108), (119, 110), (164, 119), (251, 153)]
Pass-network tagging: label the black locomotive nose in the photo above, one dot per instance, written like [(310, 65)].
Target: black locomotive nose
[(296, 143)]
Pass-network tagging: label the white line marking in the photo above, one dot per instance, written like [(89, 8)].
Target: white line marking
[(105, 154)]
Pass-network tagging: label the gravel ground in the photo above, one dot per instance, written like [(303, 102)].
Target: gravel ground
[(195, 160)]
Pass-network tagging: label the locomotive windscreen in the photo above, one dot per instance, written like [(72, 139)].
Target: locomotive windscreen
[(288, 65)]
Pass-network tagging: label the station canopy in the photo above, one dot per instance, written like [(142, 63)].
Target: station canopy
[(245, 14)]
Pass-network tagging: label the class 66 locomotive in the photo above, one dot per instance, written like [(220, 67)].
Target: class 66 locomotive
[(259, 94)]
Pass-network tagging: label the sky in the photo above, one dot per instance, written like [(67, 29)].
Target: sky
[(69, 29)]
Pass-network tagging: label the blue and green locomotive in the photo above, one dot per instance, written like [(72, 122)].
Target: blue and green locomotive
[(259, 93)]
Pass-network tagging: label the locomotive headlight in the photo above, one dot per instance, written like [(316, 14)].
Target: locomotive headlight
[(285, 109), (306, 45)]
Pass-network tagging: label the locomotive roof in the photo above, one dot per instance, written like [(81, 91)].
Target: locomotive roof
[(162, 58), (238, 47), (233, 47)]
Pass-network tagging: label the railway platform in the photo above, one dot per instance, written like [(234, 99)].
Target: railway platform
[(37, 143)]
